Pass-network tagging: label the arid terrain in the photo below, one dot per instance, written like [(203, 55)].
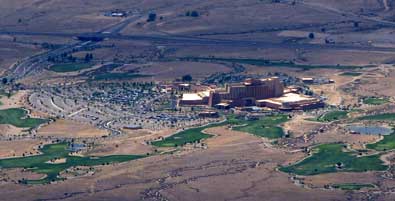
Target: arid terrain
[(90, 90)]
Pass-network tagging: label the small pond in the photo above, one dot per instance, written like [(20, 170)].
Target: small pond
[(370, 130)]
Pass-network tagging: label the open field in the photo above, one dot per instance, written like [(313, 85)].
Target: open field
[(329, 158), (17, 117), (167, 71), (118, 76), (40, 163), (11, 52)]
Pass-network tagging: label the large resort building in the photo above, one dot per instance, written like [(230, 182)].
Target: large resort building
[(267, 92), (247, 93)]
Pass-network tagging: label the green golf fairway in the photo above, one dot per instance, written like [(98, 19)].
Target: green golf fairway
[(38, 164), (326, 156), (17, 117)]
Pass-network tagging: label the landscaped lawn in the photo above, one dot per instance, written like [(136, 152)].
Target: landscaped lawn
[(352, 186), (264, 127), (331, 116), (326, 156), (39, 163), (69, 67), (17, 117), (375, 101)]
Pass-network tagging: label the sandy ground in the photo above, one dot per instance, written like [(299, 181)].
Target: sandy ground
[(376, 82), (16, 148), (338, 178), (70, 129), (168, 71), (298, 125), (15, 101), (134, 142), (57, 161), (9, 130), (13, 175), (338, 135)]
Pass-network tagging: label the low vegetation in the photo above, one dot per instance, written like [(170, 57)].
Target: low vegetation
[(328, 158), (18, 118), (351, 74), (39, 164), (331, 116), (379, 117), (375, 101), (352, 186), (69, 67)]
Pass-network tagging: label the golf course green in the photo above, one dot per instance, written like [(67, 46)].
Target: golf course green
[(18, 118), (386, 144), (263, 127), (329, 158), (187, 136), (39, 163)]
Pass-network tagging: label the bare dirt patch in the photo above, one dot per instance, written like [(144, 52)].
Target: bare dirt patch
[(18, 148), (70, 129)]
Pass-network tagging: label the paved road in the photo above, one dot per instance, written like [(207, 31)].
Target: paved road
[(196, 41), (38, 62)]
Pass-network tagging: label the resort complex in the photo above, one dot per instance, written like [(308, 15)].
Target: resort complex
[(267, 92)]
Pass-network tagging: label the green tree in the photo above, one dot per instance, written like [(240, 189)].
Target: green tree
[(187, 78)]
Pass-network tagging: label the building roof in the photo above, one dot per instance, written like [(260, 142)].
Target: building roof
[(191, 97), (288, 98), (204, 93), (307, 79)]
